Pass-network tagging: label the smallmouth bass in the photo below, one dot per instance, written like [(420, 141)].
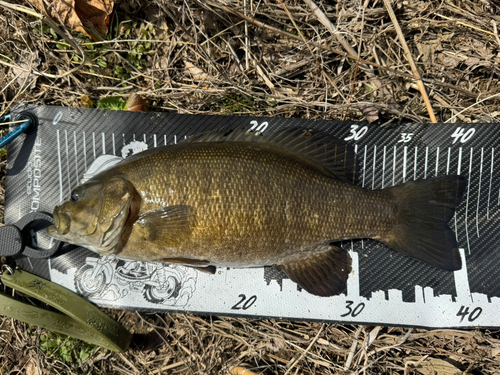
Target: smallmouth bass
[(242, 199)]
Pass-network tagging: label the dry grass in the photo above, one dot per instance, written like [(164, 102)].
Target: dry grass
[(263, 58)]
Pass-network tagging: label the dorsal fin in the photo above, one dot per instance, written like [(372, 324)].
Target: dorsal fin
[(337, 156)]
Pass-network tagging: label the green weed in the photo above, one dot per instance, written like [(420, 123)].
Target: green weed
[(66, 349)]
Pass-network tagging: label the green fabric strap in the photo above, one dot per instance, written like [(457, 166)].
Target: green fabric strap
[(82, 320)]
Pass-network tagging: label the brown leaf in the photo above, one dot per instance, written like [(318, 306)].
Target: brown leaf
[(238, 370), (428, 49), (135, 103), (32, 368), (79, 14), (370, 112), (196, 73)]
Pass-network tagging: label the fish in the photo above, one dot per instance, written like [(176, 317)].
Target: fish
[(239, 198)]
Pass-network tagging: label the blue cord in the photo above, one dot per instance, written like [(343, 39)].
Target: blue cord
[(15, 133), (5, 118)]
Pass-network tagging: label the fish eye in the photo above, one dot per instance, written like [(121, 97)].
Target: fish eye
[(75, 197)]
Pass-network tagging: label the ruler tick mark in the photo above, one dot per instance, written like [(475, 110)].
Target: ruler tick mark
[(489, 190), (383, 167), (394, 167), (426, 161), (437, 161), (415, 165), (60, 167), (76, 154), (405, 154), (479, 191), (364, 169), (84, 151), (448, 162), (467, 204), (93, 143), (374, 163), (67, 159)]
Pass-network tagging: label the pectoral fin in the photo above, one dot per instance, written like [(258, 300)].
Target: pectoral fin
[(322, 273), (168, 226)]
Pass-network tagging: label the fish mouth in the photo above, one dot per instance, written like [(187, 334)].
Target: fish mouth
[(62, 223)]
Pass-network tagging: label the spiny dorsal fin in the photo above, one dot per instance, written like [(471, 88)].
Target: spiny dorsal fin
[(337, 156)]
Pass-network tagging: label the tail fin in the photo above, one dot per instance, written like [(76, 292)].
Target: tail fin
[(424, 209)]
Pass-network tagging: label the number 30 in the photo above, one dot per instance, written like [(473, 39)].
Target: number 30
[(355, 133)]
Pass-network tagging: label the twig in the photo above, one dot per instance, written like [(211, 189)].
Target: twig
[(65, 35), (336, 51), (331, 27), (12, 122), (310, 50), (307, 350), (400, 342), (465, 24), (494, 24), (473, 105), (21, 8), (247, 40), (352, 351), (409, 57), (357, 62)]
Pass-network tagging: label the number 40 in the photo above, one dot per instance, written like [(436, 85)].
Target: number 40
[(474, 314), (462, 135)]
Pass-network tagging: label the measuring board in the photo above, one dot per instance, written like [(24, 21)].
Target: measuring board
[(73, 144)]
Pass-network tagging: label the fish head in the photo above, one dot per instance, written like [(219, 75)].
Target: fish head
[(98, 215)]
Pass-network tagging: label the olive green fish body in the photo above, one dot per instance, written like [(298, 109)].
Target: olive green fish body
[(240, 199), (254, 205)]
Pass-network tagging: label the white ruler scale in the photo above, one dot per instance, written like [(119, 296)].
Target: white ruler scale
[(383, 288)]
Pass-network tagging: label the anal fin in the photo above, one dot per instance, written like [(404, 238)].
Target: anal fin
[(322, 272)]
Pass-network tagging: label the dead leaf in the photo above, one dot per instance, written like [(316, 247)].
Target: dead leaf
[(370, 112), (24, 74), (276, 344), (428, 49), (196, 73), (238, 370), (472, 61), (449, 62), (135, 103), (32, 369), (495, 348), (79, 14), (431, 366)]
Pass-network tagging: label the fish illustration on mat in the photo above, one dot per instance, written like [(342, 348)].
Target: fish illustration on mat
[(237, 198)]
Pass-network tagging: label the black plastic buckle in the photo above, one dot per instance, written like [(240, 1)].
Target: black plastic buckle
[(15, 239)]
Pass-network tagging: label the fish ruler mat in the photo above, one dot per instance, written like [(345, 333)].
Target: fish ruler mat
[(72, 144)]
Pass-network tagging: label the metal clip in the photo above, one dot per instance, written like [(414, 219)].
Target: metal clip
[(15, 239)]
